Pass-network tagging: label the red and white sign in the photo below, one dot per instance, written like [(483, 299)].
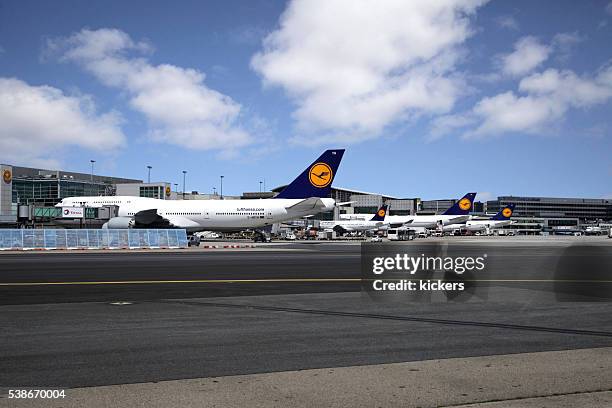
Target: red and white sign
[(73, 212)]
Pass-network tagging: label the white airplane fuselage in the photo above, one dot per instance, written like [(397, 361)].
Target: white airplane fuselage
[(426, 221), (211, 215), (353, 225), (478, 225), (481, 225)]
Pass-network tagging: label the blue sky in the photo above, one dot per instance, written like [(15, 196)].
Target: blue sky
[(430, 100)]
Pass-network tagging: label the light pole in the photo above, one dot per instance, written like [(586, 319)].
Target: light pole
[(149, 176), (222, 187), (260, 183), (184, 172), (214, 191), (176, 190), (92, 166)]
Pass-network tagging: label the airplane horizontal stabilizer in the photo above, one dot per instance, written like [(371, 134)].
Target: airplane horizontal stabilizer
[(307, 204)]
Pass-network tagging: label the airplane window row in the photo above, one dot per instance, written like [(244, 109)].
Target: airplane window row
[(104, 202), (240, 213), (131, 213)]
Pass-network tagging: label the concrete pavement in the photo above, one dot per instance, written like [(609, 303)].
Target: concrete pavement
[(557, 379)]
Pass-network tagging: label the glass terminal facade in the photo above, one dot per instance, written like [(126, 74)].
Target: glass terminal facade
[(50, 192), (587, 209), (152, 192), (48, 187)]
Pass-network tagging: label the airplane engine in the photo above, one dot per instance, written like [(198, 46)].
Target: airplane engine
[(119, 223)]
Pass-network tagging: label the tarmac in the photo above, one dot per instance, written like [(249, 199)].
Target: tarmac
[(284, 324)]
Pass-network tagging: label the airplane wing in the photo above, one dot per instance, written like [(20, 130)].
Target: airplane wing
[(340, 230), (401, 224), (182, 222), (307, 204), (150, 218), (459, 219)]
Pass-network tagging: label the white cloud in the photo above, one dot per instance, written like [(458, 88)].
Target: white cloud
[(528, 54), (508, 112), (355, 67), (609, 8), (446, 124), (542, 101), (180, 108), (567, 40), (564, 44), (508, 22), (38, 121), (569, 88)]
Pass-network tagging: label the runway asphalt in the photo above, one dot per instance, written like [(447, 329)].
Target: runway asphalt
[(70, 335), (87, 344), (155, 275)]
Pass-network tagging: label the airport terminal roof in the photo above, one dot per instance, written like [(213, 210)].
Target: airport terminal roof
[(37, 173)]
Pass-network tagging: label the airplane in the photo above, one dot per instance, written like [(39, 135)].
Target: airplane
[(307, 195), (343, 226), (499, 220), (458, 213)]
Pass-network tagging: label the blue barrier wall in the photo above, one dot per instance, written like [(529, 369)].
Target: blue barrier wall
[(91, 238)]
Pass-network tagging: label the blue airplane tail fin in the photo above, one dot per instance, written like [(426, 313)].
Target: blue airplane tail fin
[(317, 179), (380, 214), (504, 214), (463, 206)]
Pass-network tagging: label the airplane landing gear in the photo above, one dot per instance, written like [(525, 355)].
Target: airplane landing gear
[(261, 236)]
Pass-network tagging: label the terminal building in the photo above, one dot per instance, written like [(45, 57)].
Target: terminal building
[(584, 209), (28, 196), (361, 202), (439, 206), (553, 214), (137, 188), (47, 187)]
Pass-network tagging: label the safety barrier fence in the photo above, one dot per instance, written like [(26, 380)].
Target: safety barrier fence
[(16, 239)]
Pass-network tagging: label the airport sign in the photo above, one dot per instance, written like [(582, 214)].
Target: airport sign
[(73, 212)]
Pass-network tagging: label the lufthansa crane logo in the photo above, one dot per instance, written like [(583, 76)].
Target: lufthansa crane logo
[(7, 176), (320, 175), (381, 212), (168, 191), (465, 204), (507, 212)]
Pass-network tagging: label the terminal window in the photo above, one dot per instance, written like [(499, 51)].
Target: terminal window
[(151, 192)]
